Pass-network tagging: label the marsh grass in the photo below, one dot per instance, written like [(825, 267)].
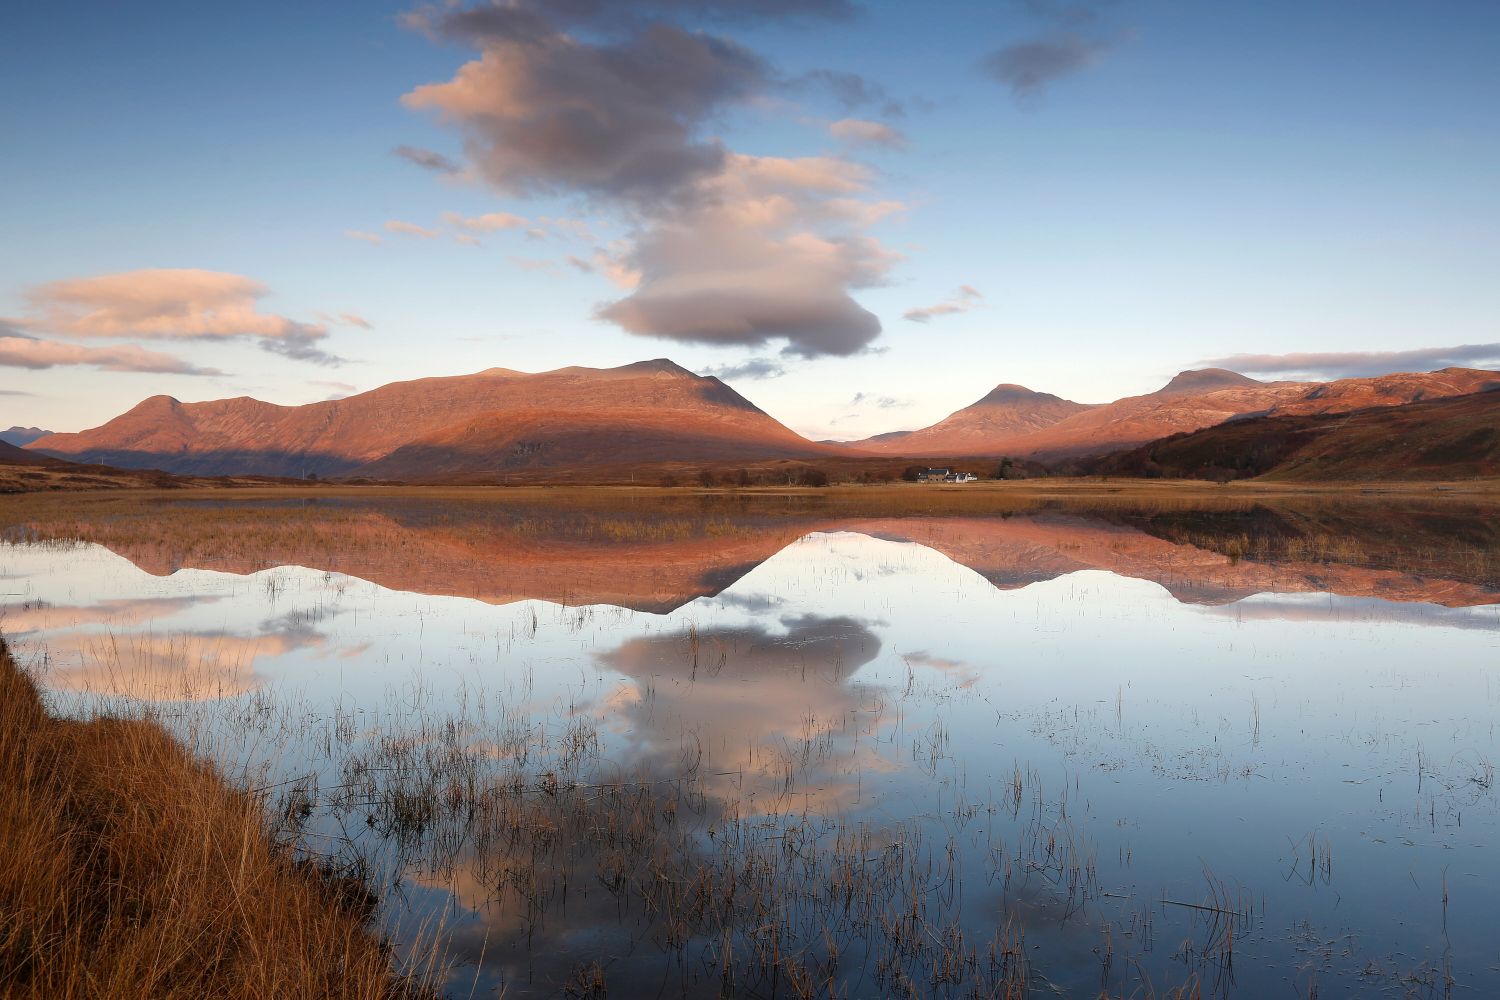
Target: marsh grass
[(135, 870)]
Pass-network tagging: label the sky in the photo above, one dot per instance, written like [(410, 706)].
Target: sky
[(862, 215)]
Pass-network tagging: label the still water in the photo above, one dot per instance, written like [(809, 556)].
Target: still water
[(759, 749)]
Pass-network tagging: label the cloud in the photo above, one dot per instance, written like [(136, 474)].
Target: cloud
[(750, 368), (859, 132), (1075, 39), (486, 223), (401, 228), (967, 297), (545, 113), (427, 159), (169, 304), (353, 319), (852, 91), (364, 237), (536, 265), (1352, 364), (882, 402), (723, 248), (20, 351), (1027, 67)]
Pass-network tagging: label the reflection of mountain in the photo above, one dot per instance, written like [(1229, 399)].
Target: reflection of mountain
[(658, 559)]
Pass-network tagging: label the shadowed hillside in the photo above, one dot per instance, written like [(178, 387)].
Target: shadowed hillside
[(1457, 438)]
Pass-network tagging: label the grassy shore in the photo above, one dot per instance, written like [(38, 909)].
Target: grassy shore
[(134, 870)]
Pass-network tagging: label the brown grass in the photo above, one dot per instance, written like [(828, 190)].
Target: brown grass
[(130, 869)]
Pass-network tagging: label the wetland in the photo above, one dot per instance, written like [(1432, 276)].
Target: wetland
[(789, 744)]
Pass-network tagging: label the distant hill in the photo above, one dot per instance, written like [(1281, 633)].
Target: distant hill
[(1007, 412), (462, 427), (1040, 426), (1453, 438), (19, 436)]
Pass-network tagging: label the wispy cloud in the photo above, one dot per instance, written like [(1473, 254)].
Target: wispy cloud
[(966, 297), (487, 223), (1352, 364), (1075, 38), (359, 234), (860, 132), (878, 401), (403, 228), (427, 159), (753, 369)]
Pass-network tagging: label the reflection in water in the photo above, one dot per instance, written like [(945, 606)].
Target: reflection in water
[(653, 737)]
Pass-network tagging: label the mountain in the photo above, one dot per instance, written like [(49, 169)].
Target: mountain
[(467, 426), (19, 436), (1453, 438), (1006, 412), (1190, 401)]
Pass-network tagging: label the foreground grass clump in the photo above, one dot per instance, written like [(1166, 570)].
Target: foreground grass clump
[(133, 870)]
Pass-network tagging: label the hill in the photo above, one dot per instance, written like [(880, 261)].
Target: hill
[(1453, 438), (1006, 412), (20, 436), (1190, 401), (467, 426)]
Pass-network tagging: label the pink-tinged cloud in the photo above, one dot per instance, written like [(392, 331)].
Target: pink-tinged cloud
[(29, 352), (486, 223), (401, 228), (358, 234), (860, 132), (171, 304), (966, 297)]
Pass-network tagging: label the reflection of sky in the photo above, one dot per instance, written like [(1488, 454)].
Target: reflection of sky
[(890, 682)]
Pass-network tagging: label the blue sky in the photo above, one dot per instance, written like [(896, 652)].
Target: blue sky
[(1184, 183)]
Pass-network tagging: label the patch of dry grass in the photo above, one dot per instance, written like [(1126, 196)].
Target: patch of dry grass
[(132, 869)]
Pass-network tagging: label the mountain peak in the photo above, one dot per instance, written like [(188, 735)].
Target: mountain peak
[(1207, 380), (1010, 394)]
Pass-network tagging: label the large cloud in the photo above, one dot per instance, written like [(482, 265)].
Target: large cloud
[(1351, 364), (171, 304), (549, 113), (601, 100), (737, 267)]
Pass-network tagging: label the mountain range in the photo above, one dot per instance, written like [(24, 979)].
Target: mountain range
[(1018, 422), (499, 424), (21, 436)]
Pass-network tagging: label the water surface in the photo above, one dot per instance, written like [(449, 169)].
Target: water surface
[(1248, 747)]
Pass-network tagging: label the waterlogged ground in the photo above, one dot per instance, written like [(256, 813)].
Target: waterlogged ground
[(753, 751)]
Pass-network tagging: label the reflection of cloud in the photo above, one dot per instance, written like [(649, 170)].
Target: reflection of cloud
[(1332, 608), (181, 666), (39, 616), (967, 673), (90, 648), (756, 701)]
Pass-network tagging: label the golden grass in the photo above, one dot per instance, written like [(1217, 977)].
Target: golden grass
[(130, 869)]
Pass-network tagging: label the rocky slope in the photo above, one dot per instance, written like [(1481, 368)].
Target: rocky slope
[(482, 424)]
